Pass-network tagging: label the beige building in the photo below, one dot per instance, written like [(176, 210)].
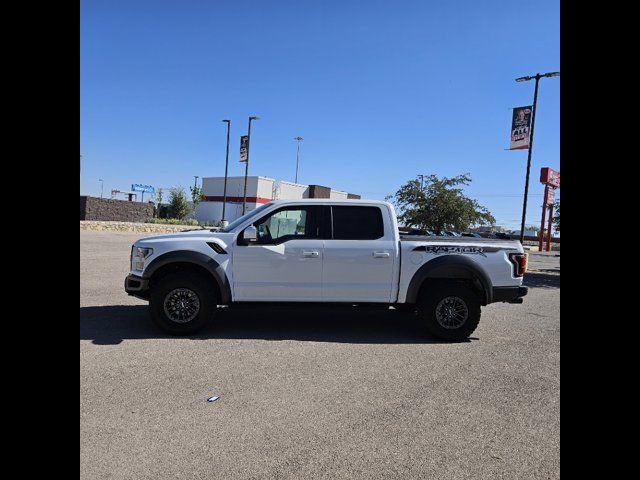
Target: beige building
[(260, 190)]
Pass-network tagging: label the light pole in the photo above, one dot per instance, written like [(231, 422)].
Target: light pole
[(246, 165), (298, 156), (537, 78), (195, 181), (226, 172), (101, 186)]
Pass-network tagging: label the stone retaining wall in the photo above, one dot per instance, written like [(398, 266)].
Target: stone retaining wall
[(133, 227), (93, 208)]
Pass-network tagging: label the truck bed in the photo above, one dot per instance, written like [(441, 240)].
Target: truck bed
[(473, 240)]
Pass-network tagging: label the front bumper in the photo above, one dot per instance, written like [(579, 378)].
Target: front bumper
[(509, 294), (137, 286)]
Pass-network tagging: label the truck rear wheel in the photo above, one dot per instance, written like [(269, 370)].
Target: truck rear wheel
[(450, 311), (182, 303)]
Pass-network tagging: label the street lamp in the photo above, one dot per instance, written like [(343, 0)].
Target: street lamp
[(101, 186), (246, 165), (537, 78), (226, 172), (298, 156), (195, 181)]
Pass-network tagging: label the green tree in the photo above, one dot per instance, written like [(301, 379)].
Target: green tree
[(533, 227), (196, 195), (178, 204), (556, 215), (439, 204), (158, 202)]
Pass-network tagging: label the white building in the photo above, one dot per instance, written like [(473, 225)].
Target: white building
[(260, 190)]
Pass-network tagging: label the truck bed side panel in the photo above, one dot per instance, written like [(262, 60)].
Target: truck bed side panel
[(492, 257)]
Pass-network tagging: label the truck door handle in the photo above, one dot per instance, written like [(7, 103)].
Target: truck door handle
[(381, 254), (311, 254)]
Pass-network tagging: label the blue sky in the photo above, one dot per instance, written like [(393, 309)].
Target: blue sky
[(381, 92)]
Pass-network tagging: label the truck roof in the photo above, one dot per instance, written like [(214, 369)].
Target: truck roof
[(330, 200)]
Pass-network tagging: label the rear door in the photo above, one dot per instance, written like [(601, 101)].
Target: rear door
[(359, 255)]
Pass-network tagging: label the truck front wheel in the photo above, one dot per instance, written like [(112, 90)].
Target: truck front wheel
[(450, 311), (182, 303)]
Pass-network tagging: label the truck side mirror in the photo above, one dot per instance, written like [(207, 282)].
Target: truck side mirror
[(250, 234)]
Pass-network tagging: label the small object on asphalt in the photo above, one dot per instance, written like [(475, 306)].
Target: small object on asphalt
[(212, 399)]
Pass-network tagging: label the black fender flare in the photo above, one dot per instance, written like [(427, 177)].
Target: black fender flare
[(197, 258), (444, 261)]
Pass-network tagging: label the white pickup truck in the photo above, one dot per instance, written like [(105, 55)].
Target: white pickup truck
[(327, 251)]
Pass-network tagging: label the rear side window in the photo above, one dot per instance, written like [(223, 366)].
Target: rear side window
[(357, 223)]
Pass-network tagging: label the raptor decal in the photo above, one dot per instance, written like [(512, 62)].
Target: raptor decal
[(439, 250)]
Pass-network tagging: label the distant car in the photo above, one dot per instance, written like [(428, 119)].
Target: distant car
[(504, 236), (412, 231), (449, 233), (473, 235)]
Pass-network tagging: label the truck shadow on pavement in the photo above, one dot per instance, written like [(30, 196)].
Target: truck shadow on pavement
[(541, 280), (110, 325)]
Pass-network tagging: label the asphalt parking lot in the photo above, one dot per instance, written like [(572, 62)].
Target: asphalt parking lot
[(321, 393)]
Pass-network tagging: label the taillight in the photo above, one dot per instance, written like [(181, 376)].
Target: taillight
[(519, 261)]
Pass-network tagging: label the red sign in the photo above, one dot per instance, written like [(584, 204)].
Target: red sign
[(549, 196), (549, 176)]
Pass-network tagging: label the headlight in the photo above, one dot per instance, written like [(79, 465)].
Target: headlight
[(138, 254)]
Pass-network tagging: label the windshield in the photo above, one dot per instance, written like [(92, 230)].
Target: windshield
[(246, 216)]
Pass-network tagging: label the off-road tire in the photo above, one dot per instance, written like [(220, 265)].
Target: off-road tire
[(182, 285), (437, 297)]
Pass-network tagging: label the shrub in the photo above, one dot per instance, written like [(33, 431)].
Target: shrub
[(178, 205), (162, 211), (196, 196)]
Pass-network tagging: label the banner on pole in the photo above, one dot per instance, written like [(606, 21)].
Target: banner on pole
[(520, 128), (244, 147)]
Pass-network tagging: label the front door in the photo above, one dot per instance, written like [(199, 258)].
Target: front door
[(285, 263)]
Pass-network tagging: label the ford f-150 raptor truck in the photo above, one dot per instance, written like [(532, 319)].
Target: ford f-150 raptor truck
[(328, 251)]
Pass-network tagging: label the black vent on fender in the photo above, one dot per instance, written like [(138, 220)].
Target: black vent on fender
[(216, 247)]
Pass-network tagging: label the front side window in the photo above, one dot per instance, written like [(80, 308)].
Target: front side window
[(286, 224), (245, 217)]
